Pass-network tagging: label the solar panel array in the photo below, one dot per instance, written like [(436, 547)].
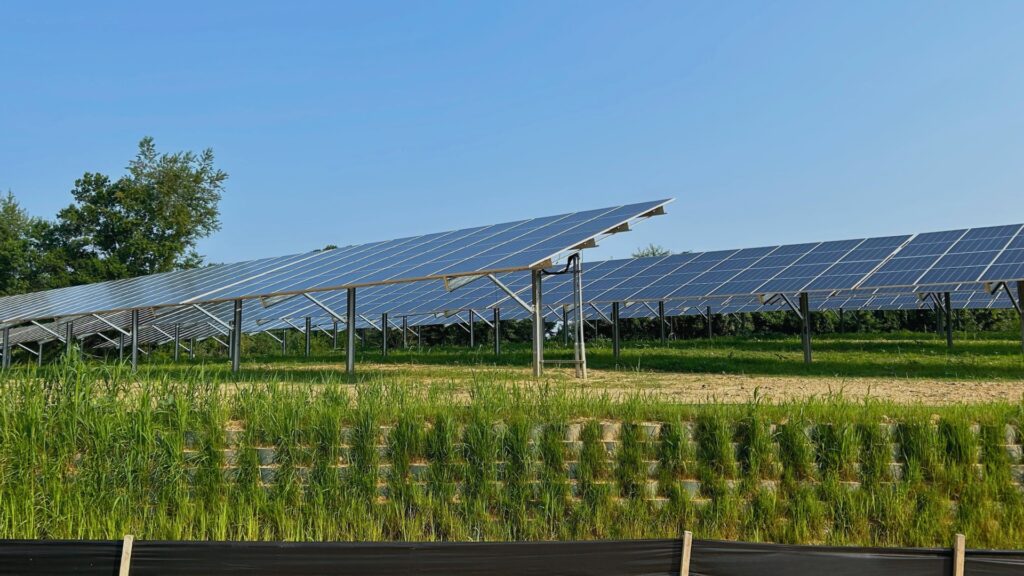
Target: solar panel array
[(517, 245), (954, 261), (427, 303), (291, 314), (885, 273)]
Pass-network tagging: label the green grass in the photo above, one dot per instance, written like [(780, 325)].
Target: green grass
[(986, 356), (88, 451)]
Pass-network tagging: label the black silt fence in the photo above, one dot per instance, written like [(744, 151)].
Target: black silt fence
[(595, 558)]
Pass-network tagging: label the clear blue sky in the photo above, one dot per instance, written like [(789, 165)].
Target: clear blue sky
[(769, 122)]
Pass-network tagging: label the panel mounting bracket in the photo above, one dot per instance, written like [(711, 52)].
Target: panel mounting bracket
[(591, 243), (27, 349), (370, 322), (510, 293), (169, 337), (993, 288), (337, 317), (47, 329), (220, 329), (271, 334), (111, 324), (452, 283), (791, 306), (599, 312), (481, 318), (289, 322), (268, 301), (212, 316)]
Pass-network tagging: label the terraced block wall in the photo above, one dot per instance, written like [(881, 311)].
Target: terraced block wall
[(86, 455)]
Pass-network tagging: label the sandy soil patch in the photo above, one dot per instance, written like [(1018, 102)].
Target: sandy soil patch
[(698, 388)]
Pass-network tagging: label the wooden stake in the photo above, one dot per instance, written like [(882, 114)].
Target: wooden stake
[(126, 555), (684, 565), (958, 555)]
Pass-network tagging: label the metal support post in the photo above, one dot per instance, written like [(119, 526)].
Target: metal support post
[(472, 330), (350, 332), (707, 317), (192, 348), (805, 313), (39, 357), (7, 348), (565, 326), (135, 340), (384, 334), (177, 341), (284, 342), (120, 347), (405, 332), (538, 323), (236, 338), (842, 323), (580, 351), (1020, 298), (69, 336), (334, 336), (949, 319), (497, 331), (615, 330), (661, 322), (309, 335)]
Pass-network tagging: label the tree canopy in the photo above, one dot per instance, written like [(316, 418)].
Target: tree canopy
[(651, 250), (15, 246), (148, 220)]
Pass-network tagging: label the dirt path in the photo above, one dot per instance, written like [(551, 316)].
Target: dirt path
[(687, 388), (698, 388)]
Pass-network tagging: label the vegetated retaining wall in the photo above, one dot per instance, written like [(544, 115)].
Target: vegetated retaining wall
[(87, 456), (811, 455), (889, 483)]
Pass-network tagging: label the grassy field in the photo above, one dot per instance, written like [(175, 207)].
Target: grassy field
[(908, 368), (412, 452), (901, 355)]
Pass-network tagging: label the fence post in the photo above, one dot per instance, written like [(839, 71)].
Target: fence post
[(684, 564), (959, 549), (126, 555)]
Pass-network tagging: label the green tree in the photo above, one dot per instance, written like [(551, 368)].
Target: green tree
[(15, 246), (147, 221), (651, 250)]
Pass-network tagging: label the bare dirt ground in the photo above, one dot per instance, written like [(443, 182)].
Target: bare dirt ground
[(687, 388), (700, 388)]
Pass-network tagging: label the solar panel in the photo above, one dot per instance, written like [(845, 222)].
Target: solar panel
[(502, 247), (505, 247)]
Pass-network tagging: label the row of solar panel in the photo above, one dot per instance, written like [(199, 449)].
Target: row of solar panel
[(954, 261), (501, 247), (212, 320), (823, 267), (930, 261)]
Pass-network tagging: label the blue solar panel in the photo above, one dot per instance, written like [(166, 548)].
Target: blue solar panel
[(970, 256), (511, 246), (517, 245)]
